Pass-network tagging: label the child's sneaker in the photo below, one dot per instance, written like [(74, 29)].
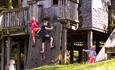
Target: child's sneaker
[(38, 36), (52, 46)]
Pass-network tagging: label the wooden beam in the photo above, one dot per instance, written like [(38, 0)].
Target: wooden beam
[(2, 55), (31, 2), (90, 39), (18, 60), (97, 46), (85, 56), (64, 43), (25, 54), (80, 55), (8, 43)]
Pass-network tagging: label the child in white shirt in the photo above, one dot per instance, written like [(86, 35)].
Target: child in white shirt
[(11, 66)]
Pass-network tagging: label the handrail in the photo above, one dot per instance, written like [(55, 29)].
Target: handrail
[(15, 18), (12, 10)]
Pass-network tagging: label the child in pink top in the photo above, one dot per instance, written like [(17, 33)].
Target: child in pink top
[(35, 28), (91, 54)]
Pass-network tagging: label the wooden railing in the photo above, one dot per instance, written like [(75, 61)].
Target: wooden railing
[(69, 11), (15, 19), (18, 18)]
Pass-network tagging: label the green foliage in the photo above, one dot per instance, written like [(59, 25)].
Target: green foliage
[(112, 25), (68, 57), (105, 65), (10, 4)]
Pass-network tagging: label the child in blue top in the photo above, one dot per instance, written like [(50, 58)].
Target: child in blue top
[(44, 34), (91, 54)]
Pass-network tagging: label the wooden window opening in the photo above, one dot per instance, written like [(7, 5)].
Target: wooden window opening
[(55, 2)]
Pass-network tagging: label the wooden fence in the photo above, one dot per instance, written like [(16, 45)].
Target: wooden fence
[(15, 19)]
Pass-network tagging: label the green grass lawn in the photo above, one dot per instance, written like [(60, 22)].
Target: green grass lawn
[(105, 65)]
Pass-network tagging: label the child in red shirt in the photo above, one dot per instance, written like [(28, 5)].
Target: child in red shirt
[(35, 28)]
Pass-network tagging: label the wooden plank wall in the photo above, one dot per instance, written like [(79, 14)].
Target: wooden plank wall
[(2, 54), (68, 10), (35, 59), (64, 10)]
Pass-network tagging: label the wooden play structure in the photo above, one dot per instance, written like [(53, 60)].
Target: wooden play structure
[(74, 22), (110, 50), (107, 52)]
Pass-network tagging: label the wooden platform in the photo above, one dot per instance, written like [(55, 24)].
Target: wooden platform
[(109, 51)]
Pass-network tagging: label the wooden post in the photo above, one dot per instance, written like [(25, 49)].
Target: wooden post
[(2, 55), (40, 12), (31, 8), (8, 45), (71, 52), (90, 39), (108, 55), (25, 54), (110, 16), (97, 46), (85, 54), (80, 55), (64, 43), (18, 60)]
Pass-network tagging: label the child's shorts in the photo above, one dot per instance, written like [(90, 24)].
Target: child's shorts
[(35, 30), (46, 37), (92, 60)]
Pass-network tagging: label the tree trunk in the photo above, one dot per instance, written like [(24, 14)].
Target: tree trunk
[(9, 5)]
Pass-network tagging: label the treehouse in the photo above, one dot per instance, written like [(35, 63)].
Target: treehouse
[(75, 22), (109, 47)]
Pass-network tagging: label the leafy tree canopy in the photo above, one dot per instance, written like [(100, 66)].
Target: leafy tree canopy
[(9, 4)]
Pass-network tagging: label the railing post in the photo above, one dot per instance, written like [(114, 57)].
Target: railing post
[(19, 57), (25, 54), (71, 51), (40, 11), (31, 7), (8, 42)]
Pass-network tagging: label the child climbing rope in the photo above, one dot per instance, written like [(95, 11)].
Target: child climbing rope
[(91, 54), (35, 28), (44, 34)]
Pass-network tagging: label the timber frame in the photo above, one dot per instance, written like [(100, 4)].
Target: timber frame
[(68, 21)]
